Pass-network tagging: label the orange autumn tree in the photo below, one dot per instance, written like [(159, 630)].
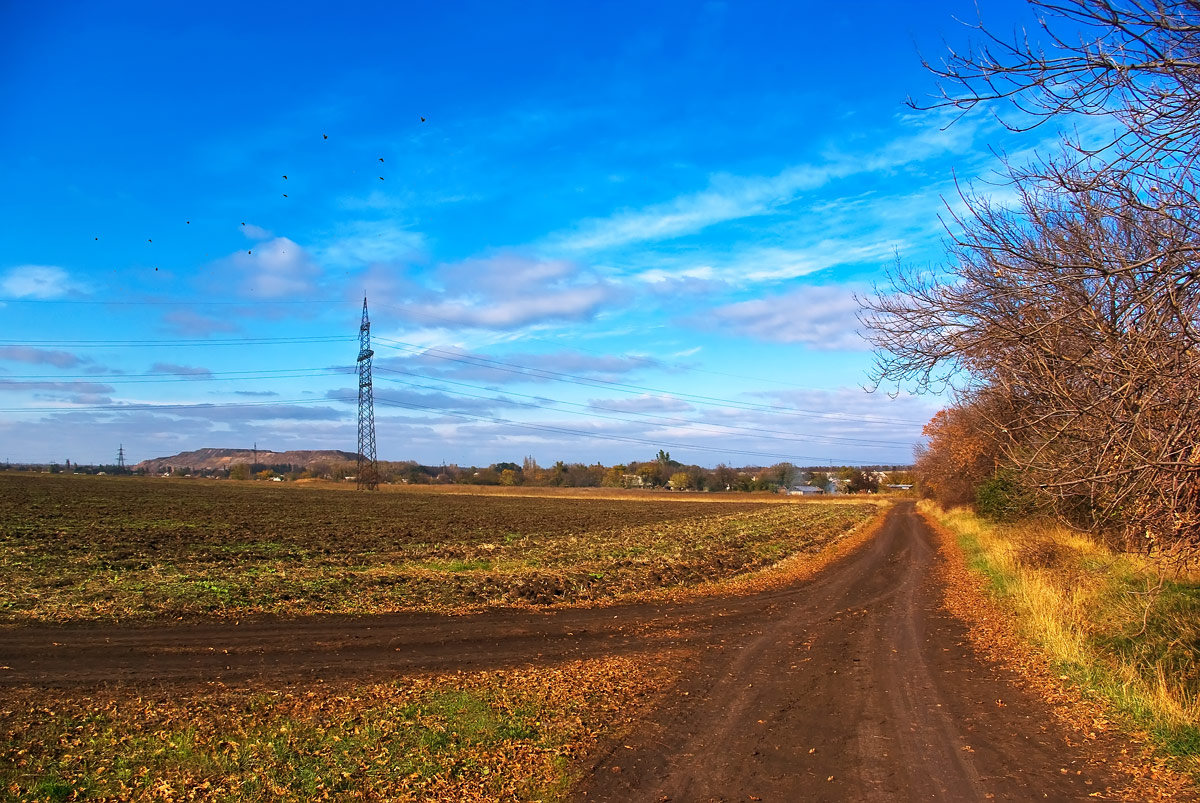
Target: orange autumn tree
[(959, 456)]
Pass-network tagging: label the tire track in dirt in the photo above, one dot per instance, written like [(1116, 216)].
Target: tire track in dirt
[(864, 689)]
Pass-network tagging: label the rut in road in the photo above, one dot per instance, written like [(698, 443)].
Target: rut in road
[(864, 689)]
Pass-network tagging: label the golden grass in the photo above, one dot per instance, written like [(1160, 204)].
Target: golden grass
[(1108, 623)]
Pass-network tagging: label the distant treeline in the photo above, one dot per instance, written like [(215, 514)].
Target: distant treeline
[(661, 472)]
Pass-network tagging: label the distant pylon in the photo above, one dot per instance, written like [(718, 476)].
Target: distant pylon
[(121, 458), (368, 467)]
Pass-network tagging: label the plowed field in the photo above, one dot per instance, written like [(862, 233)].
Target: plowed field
[(107, 548)]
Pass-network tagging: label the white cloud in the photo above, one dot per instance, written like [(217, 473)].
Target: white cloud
[(764, 264), (819, 317), (643, 404), (15, 386), (460, 364), (275, 269), (38, 281), (255, 232), (366, 243), (509, 291), (727, 198)]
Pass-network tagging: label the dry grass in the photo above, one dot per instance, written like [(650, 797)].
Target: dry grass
[(509, 735), (1108, 623)]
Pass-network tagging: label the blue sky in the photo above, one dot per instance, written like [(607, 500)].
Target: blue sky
[(618, 226)]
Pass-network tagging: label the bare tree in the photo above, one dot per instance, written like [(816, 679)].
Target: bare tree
[(1132, 62), (1081, 311), (1075, 313)]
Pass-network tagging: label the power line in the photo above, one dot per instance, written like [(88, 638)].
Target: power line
[(650, 361), (121, 408), (242, 341), (164, 303), (646, 418), (608, 436), (259, 373), (414, 313), (574, 379), (124, 380), (592, 410)]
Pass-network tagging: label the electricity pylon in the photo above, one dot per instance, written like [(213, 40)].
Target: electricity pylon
[(368, 468)]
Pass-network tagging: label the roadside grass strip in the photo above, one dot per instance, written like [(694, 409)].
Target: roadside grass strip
[(1107, 623)]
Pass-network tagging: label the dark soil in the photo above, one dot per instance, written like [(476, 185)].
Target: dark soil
[(852, 685)]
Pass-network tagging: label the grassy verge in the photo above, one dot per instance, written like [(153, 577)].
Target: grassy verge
[(1107, 622), (495, 736)]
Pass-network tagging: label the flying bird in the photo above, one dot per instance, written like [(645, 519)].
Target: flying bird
[(422, 119), (381, 158), (285, 176), (285, 195), (149, 240), (326, 136), (381, 178), (188, 222), (243, 223), (247, 252), (97, 238)]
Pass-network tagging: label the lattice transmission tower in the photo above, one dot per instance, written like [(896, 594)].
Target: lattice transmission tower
[(121, 459), (368, 467)]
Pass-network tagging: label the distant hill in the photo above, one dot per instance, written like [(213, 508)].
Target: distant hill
[(223, 458)]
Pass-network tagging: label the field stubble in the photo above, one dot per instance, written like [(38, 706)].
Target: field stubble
[(81, 548)]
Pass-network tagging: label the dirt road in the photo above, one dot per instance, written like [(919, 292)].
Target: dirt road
[(853, 685), (860, 688)]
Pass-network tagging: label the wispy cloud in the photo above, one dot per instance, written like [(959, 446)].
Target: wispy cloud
[(508, 291), (762, 264), (726, 198), (730, 197), (16, 386), (35, 356), (362, 243), (642, 404), (253, 232), (275, 269), (188, 322), (39, 282), (173, 368), (461, 364), (821, 317)]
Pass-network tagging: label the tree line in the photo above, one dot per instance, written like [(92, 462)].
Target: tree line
[(660, 472), (1064, 322)]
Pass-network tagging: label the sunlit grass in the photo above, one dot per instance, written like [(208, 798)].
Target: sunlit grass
[(1108, 621)]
